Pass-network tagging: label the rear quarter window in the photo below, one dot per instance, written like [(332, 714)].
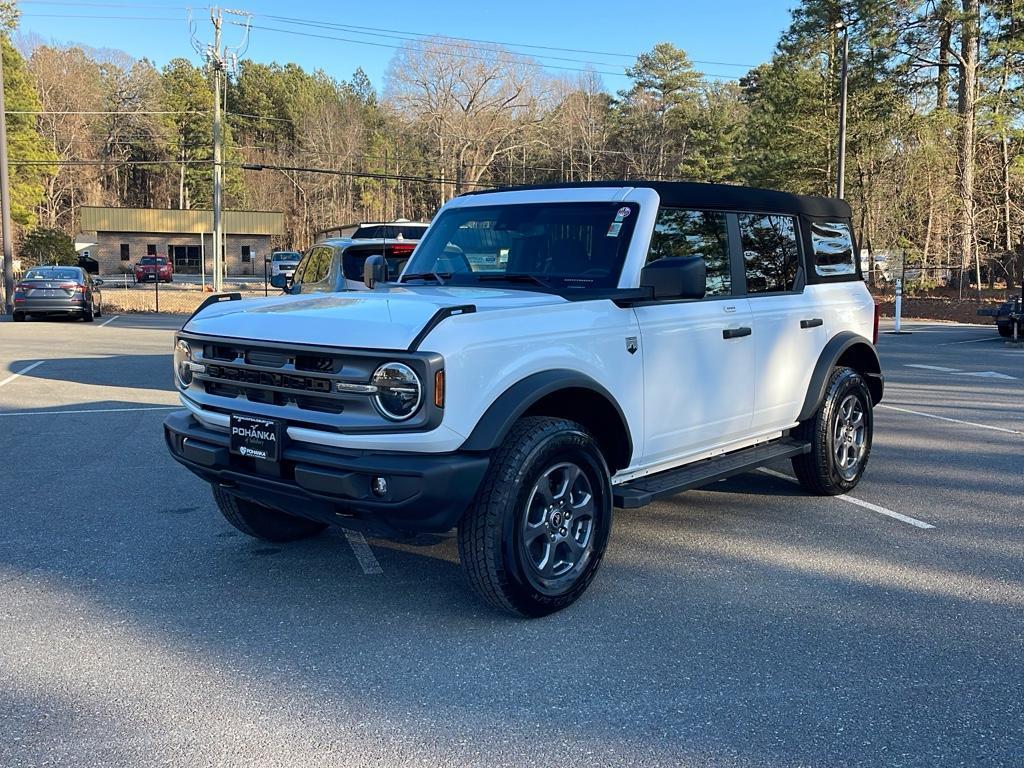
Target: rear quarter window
[(832, 243)]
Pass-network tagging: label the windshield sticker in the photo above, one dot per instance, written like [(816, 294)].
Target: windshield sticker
[(613, 230), (622, 213)]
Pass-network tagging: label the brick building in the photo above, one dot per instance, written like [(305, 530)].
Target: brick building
[(122, 236)]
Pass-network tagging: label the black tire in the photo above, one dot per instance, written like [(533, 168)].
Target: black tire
[(820, 471), (1006, 331), (88, 314), (497, 534), (99, 309), (18, 317), (262, 522)]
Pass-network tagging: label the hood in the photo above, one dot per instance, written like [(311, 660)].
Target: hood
[(388, 319)]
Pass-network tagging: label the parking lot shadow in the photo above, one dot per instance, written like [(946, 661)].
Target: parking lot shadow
[(129, 371)]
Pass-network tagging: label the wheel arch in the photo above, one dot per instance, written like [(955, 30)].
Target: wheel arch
[(560, 393), (849, 349)]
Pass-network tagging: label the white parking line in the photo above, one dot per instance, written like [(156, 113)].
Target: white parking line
[(955, 421), (860, 503), (91, 410), (108, 322), (970, 341), (22, 372), (363, 553)]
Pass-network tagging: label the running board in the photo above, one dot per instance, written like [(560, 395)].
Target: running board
[(642, 491)]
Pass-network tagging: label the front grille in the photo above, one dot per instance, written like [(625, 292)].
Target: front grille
[(273, 377)]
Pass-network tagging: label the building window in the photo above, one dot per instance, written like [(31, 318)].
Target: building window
[(246, 254), (151, 249), (125, 252)]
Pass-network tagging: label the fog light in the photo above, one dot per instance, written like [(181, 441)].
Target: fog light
[(379, 486)]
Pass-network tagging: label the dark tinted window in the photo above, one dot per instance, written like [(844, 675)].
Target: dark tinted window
[(151, 249), (152, 260), (833, 248), (317, 265), (246, 254), (681, 232), (125, 252), (390, 231), (54, 273), (770, 251)]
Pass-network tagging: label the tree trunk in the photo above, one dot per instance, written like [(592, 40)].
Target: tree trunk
[(966, 135), (943, 13)]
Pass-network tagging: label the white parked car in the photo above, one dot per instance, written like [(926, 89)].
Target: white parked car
[(284, 263), (337, 264), (547, 354)]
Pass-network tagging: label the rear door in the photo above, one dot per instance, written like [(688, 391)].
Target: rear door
[(789, 329), (698, 355)]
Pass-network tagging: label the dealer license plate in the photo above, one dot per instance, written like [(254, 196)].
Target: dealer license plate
[(256, 438)]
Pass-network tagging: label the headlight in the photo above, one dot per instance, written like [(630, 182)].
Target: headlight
[(399, 392), (182, 363)]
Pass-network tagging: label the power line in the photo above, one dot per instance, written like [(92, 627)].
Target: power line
[(94, 16), (107, 112), (378, 32), (525, 62)]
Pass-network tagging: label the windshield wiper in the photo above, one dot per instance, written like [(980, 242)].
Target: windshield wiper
[(439, 277), (513, 277)]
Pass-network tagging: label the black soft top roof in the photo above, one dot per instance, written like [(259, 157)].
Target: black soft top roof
[(687, 194)]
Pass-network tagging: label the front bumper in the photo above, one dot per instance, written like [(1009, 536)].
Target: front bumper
[(426, 492)]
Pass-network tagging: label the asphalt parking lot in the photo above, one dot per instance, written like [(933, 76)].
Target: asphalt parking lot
[(745, 624)]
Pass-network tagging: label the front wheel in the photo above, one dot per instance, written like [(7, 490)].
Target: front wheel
[(262, 522), (536, 533), (840, 434)]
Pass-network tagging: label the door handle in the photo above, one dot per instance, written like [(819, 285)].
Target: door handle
[(735, 333), (814, 322)]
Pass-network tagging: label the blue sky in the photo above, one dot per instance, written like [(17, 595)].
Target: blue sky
[(740, 32)]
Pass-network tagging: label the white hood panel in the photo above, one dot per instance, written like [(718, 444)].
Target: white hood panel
[(389, 319)]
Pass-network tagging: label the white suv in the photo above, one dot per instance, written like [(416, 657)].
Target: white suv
[(547, 354)]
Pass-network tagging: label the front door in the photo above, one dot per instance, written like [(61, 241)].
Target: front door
[(698, 355)]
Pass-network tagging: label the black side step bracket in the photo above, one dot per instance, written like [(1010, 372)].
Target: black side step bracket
[(642, 491)]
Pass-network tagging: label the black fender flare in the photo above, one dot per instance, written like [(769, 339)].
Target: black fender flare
[(856, 351), (499, 417)]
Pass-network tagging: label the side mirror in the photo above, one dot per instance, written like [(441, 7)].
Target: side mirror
[(375, 270), (97, 281), (682, 277), (279, 281)]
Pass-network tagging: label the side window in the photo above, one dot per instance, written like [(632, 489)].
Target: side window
[(300, 269), (319, 265), (770, 251), (833, 248), (684, 232)]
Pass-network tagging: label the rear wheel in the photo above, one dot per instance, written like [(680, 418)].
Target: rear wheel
[(1006, 331), (840, 434), (88, 314), (263, 522), (536, 533), (99, 309)]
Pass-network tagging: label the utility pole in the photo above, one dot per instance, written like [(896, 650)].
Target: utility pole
[(217, 62), (5, 204), (220, 59), (841, 162)]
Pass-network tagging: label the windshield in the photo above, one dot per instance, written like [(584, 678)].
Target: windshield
[(152, 260), (389, 231), (561, 245), (53, 274), (286, 256)]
